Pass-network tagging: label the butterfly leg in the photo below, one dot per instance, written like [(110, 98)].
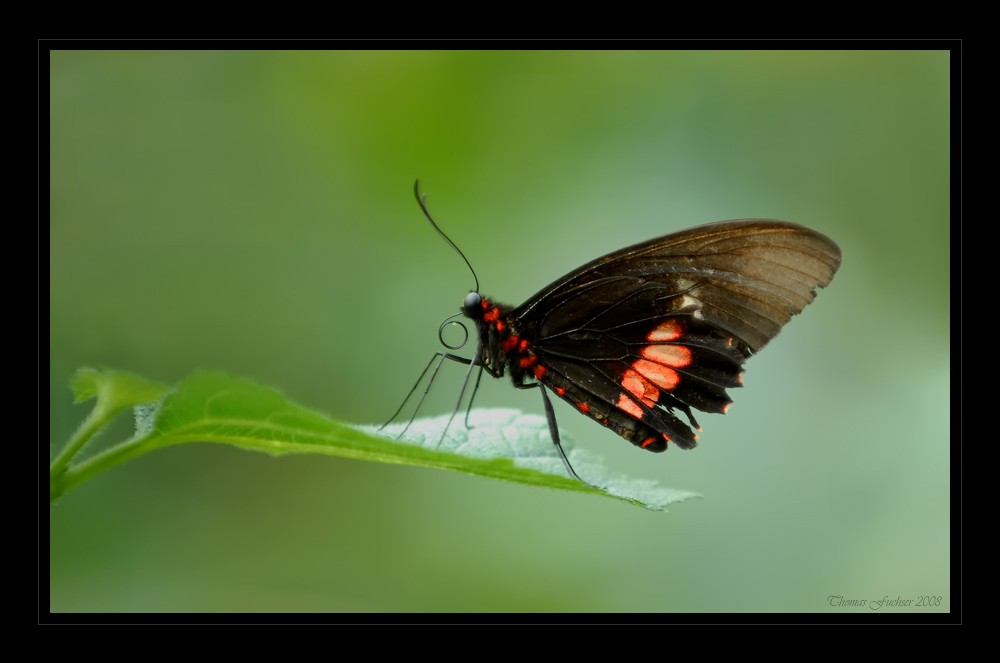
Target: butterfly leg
[(468, 410), (550, 417), (473, 364), (439, 357)]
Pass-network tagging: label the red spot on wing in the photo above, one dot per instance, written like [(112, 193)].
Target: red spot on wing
[(629, 406), (639, 387), (500, 326), (661, 376), (670, 330), (666, 437), (560, 391), (676, 356), (648, 441), (527, 361), (509, 343), (485, 304), (523, 345), (540, 372), (725, 409), (492, 315), (584, 407)]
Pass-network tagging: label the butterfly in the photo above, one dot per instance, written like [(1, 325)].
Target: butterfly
[(651, 331)]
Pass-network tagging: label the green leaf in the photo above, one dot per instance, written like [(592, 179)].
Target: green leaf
[(501, 444), (114, 389)]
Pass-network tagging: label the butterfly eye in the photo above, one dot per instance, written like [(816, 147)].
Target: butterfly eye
[(472, 305)]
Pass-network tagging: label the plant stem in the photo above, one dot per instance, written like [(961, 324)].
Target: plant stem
[(97, 418), (70, 478)]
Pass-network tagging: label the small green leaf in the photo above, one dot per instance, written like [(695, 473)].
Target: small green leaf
[(501, 444), (114, 389)]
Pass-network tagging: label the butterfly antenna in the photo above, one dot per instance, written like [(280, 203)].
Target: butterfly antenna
[(422, 201)]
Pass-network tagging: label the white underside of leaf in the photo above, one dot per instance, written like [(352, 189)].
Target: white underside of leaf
[(524, 438)]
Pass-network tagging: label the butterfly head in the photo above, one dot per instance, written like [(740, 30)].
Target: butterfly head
[(472, 307)]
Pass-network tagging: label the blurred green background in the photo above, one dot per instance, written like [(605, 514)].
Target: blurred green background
[(252, 212)]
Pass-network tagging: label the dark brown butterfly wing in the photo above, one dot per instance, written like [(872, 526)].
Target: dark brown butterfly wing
[(666, 324)]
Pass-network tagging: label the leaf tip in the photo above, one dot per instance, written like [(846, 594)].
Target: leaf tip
[(85, 383)]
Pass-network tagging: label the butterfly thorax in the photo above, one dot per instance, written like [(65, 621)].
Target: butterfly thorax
[(501, 346)]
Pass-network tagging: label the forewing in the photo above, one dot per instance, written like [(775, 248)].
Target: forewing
[(744, 278)]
